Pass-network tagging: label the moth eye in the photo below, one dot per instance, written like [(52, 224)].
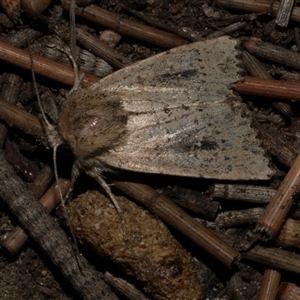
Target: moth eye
[(91, 121)]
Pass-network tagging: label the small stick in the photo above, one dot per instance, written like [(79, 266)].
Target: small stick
[(22, 119), (125, 26), (43, 66), (274, 258), (259, 6), (41, 226), (227, 30), (15, 240), (173, 215), (271, 221), (239, 192), (254, 67), (269, 285), (268, 88), (274, 53), (101, 50), (284, 12)]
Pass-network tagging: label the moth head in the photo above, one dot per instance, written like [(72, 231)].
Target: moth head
[(90, 123)]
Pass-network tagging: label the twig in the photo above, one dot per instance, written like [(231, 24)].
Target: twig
[(101, 50), (275, 258), (227, 30), (271, 221), (41, 226), (256, 69), (274, 53), (18, 117), (269, 285), (127, 27), (247, 193), (42, 66), (268, 88), (260, 6)]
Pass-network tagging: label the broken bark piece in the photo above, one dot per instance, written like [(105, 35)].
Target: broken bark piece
[(277, 146), (149, 253), (288, 291), (237, 217), (15, 240), (284, 12), (290, 234)]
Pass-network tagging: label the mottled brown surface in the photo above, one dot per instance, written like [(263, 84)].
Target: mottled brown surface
[(144, 248)]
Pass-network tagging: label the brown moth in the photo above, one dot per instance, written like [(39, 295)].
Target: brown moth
[(173, 113)]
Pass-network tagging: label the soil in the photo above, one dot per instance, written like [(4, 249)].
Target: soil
[(30, 274)]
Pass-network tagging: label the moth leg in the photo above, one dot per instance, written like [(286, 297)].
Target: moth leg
[(107, 189)]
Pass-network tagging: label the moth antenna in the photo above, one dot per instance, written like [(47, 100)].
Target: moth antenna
[(62, 201), (50, 126), (72, 17), (106, 187), (77, 79)]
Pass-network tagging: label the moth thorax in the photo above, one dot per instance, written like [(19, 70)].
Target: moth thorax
[(93, 131)]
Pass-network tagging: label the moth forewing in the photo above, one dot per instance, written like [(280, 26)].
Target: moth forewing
[(173, 113)]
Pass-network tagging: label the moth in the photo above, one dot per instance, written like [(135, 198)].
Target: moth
[(173, 113)]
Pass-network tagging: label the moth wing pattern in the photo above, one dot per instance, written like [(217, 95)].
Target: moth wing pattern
[(183, 118)]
